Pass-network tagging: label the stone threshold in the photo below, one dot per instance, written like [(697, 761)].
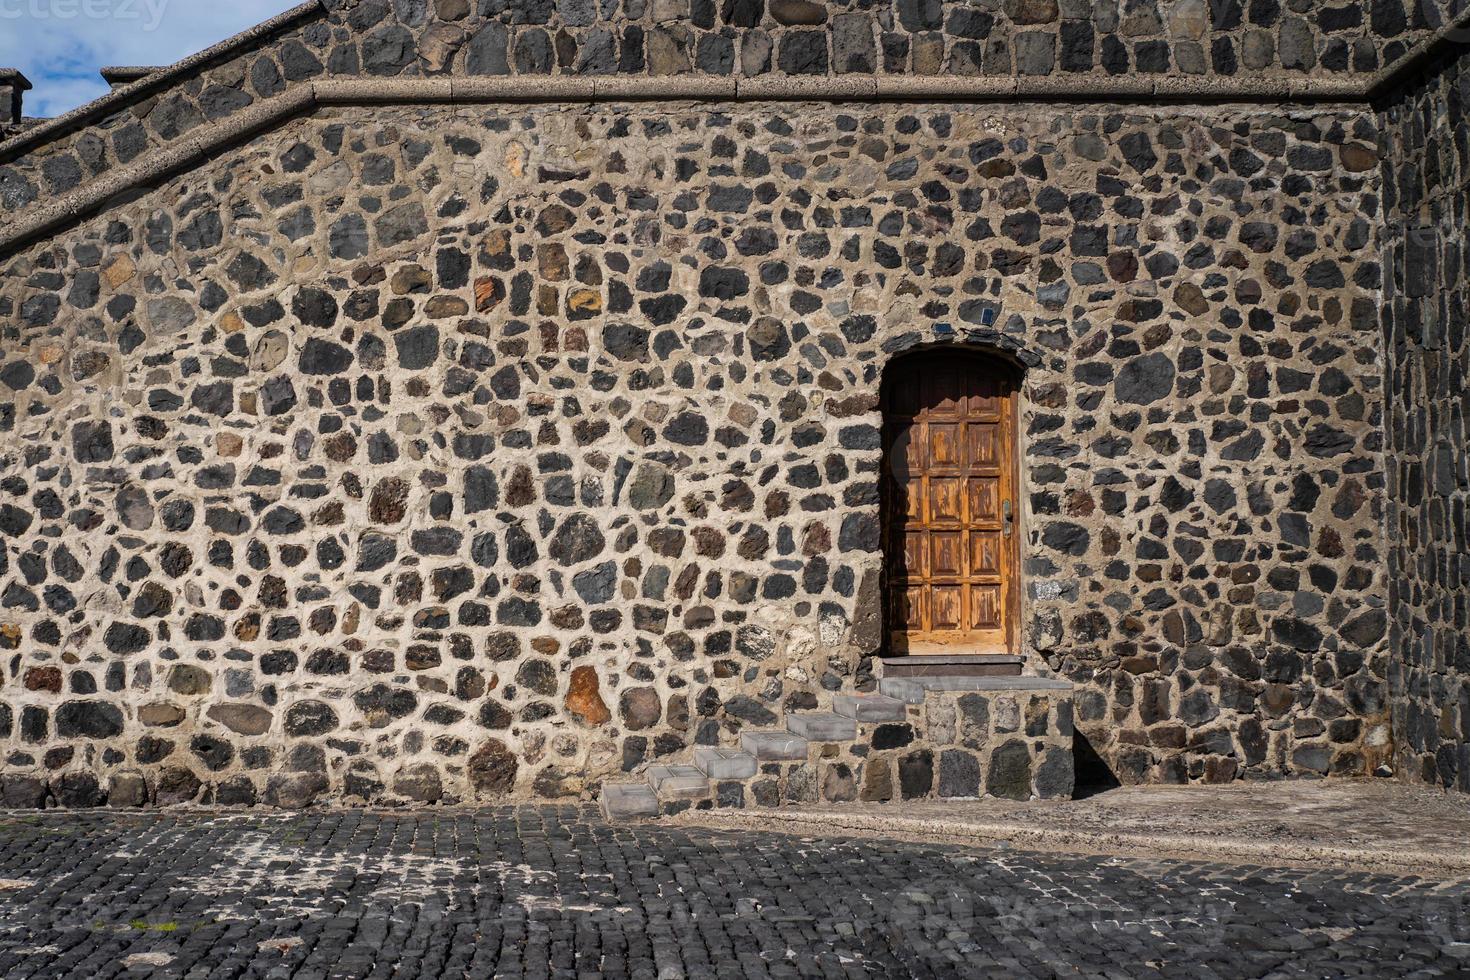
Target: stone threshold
[(952, 664)]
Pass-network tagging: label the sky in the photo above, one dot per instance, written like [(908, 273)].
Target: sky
[(61, 44)]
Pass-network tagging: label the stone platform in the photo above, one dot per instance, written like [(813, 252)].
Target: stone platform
[(1379, 826)]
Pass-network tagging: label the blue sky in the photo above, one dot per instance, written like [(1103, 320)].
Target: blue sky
[(60, 44)]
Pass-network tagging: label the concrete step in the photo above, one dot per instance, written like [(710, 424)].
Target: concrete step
[(822, 726), (870, 707), (678, 782), (625, 801), (954, 665), (722, 763), (912, 689), (774, 746)]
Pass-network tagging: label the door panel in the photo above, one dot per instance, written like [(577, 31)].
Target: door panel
[(986, 606), (985, 496), (984, 444), (985, 553), (949, 470), (944, 444), (948, 555), (945, 500)]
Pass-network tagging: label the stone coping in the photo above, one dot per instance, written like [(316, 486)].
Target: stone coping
[(119, 75), (943, 683), (15, 79), (1386, 81), (99, 109)]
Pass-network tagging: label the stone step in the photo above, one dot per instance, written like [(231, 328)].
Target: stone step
[(721, 763), (678, 782), (774, 746), (624, 801), (954, 665), (870, 707), (912, 689), (822, 726)]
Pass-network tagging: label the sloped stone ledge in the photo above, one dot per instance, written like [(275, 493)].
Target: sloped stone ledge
[(100, 109), (1386, 81)]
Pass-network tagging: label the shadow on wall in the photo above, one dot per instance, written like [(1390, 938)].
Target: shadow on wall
[(1093, 774)]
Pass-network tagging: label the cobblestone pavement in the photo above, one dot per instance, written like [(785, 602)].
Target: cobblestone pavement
[(556, 892)]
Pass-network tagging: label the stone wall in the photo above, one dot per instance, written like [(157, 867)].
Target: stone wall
[(435, 453), (1110, 40), (1426, 171)]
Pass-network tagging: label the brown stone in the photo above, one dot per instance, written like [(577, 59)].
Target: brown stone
[(668, 50), (439, 44), (43, 679), (1358, 158), (552, 260), (188, 679), (584, 699), (489, 293), (120, 271), (443, 307), (161, 714), (640, 708), (341, 447), (1033, 11), (555, 219), (1123, 266), (389, 502), (798, 13), (838, 783), (419, 783), (584, 301), (1191, 299), (877, 781), (242, 719), (492, 769), (176, 786), (411, 279)]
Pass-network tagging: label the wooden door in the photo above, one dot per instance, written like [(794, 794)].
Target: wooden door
[(950, 542)]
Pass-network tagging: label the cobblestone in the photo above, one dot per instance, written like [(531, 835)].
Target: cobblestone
[(554, 891)]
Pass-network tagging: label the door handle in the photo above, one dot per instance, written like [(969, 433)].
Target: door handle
[(1007, 519)]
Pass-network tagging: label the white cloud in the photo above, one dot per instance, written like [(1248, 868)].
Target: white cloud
[(61, 44)]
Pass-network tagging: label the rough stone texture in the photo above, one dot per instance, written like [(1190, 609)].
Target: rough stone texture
[(377, 39), (1426, 168), (539, 891), (453, 403)]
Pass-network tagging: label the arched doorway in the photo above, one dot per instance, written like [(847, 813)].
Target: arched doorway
[(950, 506)]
